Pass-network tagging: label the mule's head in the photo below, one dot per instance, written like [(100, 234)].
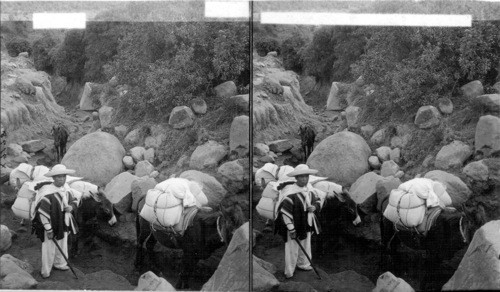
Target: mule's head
[(232, 217), (350, 206), (105, 207)]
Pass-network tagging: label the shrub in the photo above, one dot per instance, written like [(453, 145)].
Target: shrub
[(69, 57), (18, 45), (43, 50), (291, 52), (267, 45)]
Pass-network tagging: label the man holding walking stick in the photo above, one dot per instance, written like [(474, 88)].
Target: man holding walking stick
[(296, 220), (53, 220)]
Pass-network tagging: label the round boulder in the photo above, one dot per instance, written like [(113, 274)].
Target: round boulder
[(427, 117), (181, 117), (97, 157), (343, 157), (199, 106)]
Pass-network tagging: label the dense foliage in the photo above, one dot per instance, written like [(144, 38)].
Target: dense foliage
[(291, 52), (43, 52), (70, 58), (267, 45), (18, 45)]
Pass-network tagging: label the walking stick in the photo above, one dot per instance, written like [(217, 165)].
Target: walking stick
[(64, 256), (307, 256)]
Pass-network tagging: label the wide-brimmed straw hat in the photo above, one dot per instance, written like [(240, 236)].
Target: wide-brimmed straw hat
[(302, 169), (59, 169)]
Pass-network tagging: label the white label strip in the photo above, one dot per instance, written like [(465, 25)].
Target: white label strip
[(59, 20), (227, 9), (321, 18)]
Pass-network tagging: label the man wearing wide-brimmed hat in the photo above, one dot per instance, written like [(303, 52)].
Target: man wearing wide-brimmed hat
[(297, 219), (54, 204)]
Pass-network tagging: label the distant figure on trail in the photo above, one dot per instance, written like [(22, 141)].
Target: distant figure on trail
[(297, 219), (60, 135), (307, 136), (53, 219)]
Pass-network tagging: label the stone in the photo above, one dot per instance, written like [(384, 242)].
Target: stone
[(183, 160), (143, 168), (97, 157), (487, 137), (383, 153), (150, 282), (14, 149), (234, 176), (113, 82), (456, 188), (86, 102), (367, 131), (207, 155), (133, 137), (399, 174), (363, 191), (106, 114), (23, 265), (242, 102), (427, 160), (5, 238), (15, 281), (351, 281), (280, 146), (25, 86), (121, 131), (453, 155), (477, 171), (239, 135), (389, 168), (212, 188), (117, 191), (343, 157), (226, 90), (181, 117), (352, 116), (388, 282), (154, 174), (260, 149), (11, 267), (199, 106), (395, 155), (384, 187), (137, 153), (154, 142), (333, 101), (472, 89), (374, 162), (149, 155), (139, 188), (378, 137), (427, 117), (479, 268), (33, 146), (491, 102), (128, 162), (445, 105)]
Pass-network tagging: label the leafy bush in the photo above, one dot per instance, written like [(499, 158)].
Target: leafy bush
[(69, 58), (267, 45), (18, 45), (43, 51), (291, 52)]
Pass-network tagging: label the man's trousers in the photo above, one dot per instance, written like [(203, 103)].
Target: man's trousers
[(51, 256), (294, 255)]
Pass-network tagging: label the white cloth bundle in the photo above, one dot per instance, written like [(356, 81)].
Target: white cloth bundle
[(405, 208)]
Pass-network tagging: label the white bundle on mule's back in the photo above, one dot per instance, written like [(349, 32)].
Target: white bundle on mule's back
[(26, 172), (165, 203), (267, 203)]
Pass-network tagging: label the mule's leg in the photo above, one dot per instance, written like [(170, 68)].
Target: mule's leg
[(387, 234), (142, 231)]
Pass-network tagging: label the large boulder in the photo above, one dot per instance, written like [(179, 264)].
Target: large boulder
[(456, 188), (487, 137), (233, 271), (472, 89), (212, 188), (106, 280), (5, 238), (239, 136), (389, 168), (427, 117), (226, 90), (453, 155), (343, 157), (477, 171), (384, 188), (97, 157), (207, 155), (490, 102), (140, 187), (364, 191), (280, 146), (137, 153), (242, 102), (14, 281), (150, 282), (118, 191), (33, 146), (181, 117), (22, 264), (480, 267), (143, 168), (234, 176), (86, 103), (383, 153)]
